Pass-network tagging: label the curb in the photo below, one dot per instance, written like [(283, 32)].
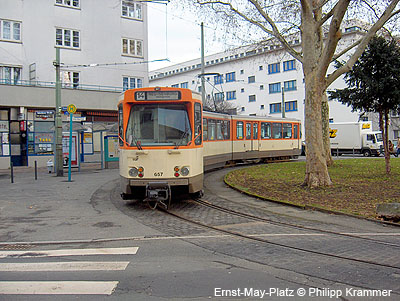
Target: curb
[(309, 207)]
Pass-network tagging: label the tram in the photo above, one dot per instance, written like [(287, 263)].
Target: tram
[(167, 141)]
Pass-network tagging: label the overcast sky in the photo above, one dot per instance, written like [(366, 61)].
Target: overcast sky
[(176, 35)]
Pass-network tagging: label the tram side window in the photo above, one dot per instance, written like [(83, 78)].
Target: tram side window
[(226, 129), (248, 131), (120, 125), (239, 130), (205, 129), (295, 131), (287, 130), (211, 129), (220, 136), (265, 130), (197, 123), (277, 130)]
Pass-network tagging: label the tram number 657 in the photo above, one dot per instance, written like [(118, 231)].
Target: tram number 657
[(158, 174)]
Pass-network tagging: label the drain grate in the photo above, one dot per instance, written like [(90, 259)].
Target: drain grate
[(16, 247)]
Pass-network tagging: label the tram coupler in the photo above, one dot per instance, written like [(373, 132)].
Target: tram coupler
[(159, 193)]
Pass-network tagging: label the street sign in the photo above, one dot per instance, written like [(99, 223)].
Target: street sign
[(71, 108)]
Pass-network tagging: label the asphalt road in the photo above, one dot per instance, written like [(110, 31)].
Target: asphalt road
[(79, 240)]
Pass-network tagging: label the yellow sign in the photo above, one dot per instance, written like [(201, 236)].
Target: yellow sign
[(71, 109), (332, 133), (366, 126)]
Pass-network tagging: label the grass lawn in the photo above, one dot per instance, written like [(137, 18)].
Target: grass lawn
[(358, 184)]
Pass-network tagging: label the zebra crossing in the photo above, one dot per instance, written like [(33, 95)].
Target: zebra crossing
[(75, 287)]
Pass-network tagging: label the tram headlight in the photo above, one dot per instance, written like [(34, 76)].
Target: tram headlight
[(184, 171), (133, 172)]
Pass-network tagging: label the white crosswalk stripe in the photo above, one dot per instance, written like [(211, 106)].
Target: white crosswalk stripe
[(57, 287), (62, 287), (64, 266), (70, 252)]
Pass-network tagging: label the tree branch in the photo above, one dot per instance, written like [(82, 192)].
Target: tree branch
[(274, 32), (335, 57), (388, 13), (334, 35)]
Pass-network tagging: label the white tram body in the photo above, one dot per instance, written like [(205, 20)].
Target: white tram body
[(167, 141)]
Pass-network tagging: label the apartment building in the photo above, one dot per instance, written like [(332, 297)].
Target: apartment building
[(261, 80), (103, 51)]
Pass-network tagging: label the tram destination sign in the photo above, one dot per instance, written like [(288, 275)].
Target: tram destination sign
[(158, 95)]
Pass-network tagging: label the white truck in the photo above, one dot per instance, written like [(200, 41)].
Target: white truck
[(355, 138)]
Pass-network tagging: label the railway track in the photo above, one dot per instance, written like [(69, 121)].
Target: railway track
[(259, 238)]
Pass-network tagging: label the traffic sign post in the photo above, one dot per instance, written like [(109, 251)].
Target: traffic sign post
[(71, 110)]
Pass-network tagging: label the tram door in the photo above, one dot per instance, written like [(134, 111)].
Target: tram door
[(254, 140)]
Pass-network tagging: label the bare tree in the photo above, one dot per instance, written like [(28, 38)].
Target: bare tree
[(319, 24)]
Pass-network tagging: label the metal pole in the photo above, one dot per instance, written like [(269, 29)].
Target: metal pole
[(203, 84), (35, 170), (283, 102), (101, 150), (58, 122), (70, 147), (12, 172)]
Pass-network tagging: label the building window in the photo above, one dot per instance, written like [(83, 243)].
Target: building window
[(184, 85), (290, 85), (67, 38), (291, 106), (219, 96), (10, 75), (275, 108), (252, 79), (218, 79), (131, 83), (70, 79), (274, 88), (261, 87), (68, 3), (175, 86), (242, 90), (252, 98), (132, 47), (260, 68), (131, 9), (230, 95), (274, 68), (242, 71), (230, 77), (243, 109), (289, 65), (262, 107), (10, 30)]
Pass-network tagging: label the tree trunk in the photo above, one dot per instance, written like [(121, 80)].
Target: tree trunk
[(385, 139), (315, 83), (325, 130), (316, 166)]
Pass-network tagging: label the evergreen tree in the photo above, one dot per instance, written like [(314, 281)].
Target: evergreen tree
[(374, 85)]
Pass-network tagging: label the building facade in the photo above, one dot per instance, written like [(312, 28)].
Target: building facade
[(103, 51), (261, 80)]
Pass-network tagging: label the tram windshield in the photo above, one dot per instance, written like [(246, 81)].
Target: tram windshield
[(158, 125)]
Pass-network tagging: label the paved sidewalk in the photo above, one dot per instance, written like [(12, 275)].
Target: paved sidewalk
[(53, 209)]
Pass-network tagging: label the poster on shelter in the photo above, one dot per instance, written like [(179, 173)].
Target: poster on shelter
[(65, 145)]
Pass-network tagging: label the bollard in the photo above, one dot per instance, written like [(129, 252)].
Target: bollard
[(35, 170), (12, 172)]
